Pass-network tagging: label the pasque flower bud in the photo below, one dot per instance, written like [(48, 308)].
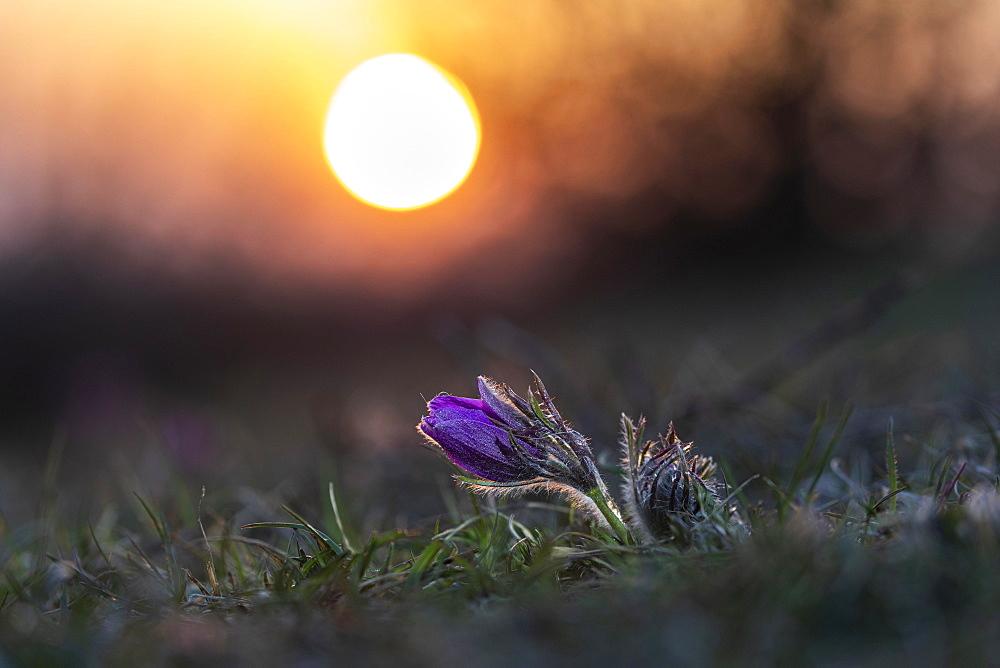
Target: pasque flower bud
[(511, 444), (667, 488)]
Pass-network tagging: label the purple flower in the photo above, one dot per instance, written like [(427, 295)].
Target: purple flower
[(478, 435), (510, 444), (507, 441)]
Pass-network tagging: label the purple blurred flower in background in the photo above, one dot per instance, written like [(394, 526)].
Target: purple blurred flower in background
[(190, 438), (511, 444)]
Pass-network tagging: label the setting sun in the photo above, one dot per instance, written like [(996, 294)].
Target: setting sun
[(401, 133)]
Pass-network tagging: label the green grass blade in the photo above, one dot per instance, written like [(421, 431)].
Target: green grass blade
[(824, 460), (337, 518), (177, 577), (802, 464), (891, 465), (321, 538), (422, 563)]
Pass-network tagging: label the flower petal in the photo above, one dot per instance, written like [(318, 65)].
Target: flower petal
[(447, 407), (475, 447)]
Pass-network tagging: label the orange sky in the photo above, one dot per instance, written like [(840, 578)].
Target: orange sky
[(193, 128), (197, 126)]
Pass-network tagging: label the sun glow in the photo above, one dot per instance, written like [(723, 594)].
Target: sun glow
[(401, 133)]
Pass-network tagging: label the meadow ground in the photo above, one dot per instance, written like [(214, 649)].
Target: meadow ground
[(868, 532)]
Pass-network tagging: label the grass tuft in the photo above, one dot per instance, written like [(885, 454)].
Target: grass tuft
[(842, 563)]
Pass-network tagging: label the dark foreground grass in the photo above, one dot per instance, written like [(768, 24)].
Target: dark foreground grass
[(844, 562)]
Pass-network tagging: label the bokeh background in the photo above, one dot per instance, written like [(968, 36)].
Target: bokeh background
[(717, 213)]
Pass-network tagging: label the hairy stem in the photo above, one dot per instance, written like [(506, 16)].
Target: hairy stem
[(606, 505)]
